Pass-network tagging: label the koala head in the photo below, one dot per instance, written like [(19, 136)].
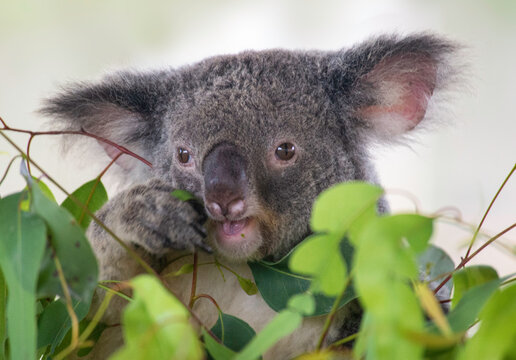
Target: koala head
[(259, 135)]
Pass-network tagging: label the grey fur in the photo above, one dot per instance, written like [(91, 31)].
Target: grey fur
[(329, 104)]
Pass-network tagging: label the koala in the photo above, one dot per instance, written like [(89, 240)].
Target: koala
[(257, 136)]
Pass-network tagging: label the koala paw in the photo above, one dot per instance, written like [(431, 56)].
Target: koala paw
[(157, 221)]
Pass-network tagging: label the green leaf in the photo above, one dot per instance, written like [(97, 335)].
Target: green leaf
[(302, 303), (283, 324), (93, 195), (469, 277), (247, 285), (233, 332), (68, 243), (465, 313), (342, 205), (21, 250), (384, 264), (54, 322), (434, 263), (185, 269), (3, 304), (319, 257), (277, 283), (25, 205), (216, 350), (45, 189), (183, 195), (496, 337), (156, 325), (83, 351)]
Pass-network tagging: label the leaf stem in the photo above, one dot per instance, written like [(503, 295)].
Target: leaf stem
[(489, 209), (8, 167), (194, 280), (69, 307), (331, 315)]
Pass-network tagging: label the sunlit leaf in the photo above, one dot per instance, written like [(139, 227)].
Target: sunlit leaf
[(302, 303), (319, 257), (496, 337), (341, 206), (283, 324), (156, 325), (93, 195), (432, 308), (21, 250), (384, 262)]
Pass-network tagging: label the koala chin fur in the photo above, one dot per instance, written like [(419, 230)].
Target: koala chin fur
[(257, 136)]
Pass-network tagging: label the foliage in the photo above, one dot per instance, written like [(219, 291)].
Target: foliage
[(48, 276)]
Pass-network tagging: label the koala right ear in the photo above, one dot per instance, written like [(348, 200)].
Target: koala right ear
[(386, 85), (124, 108)]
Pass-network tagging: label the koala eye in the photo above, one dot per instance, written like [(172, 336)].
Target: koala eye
[(285, 151), (183, 155)]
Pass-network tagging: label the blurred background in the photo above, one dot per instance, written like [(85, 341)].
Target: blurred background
[(461, 164)]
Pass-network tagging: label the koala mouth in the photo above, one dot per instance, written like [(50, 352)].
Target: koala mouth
[(232, 228)]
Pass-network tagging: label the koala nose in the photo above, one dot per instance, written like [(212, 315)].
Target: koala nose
[(225, 181)]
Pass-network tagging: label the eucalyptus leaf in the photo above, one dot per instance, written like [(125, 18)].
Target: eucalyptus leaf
[(247, 285), (54, 322), (302, 303), (319, 257), (277, 283), (183, 195), (495, 338), (384, 263), (469, 277), (21, 250), (68, 243), (337, 208), (215, 350), (93, 195), (283, 324), (465, 313), (434, 264), (233, 332), (3, 318), (156, 325)]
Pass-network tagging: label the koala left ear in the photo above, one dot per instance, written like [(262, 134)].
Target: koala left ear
[(388, 83)]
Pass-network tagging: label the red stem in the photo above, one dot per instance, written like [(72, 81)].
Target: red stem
[(81, 132), (467, 259)]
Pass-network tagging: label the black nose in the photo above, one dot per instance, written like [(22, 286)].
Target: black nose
[(225, 181)]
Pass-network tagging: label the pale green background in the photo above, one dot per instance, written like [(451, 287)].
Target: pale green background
[(46, 43)]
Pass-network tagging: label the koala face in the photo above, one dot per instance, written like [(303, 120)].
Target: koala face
[(258, 135)]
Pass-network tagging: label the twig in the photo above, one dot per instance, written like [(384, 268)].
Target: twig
[(488, 209), (467, 259), (68, 132)]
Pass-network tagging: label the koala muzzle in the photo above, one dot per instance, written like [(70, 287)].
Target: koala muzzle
[(225, 182)]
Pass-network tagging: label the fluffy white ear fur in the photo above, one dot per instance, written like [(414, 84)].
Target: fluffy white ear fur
[(403, 86)]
